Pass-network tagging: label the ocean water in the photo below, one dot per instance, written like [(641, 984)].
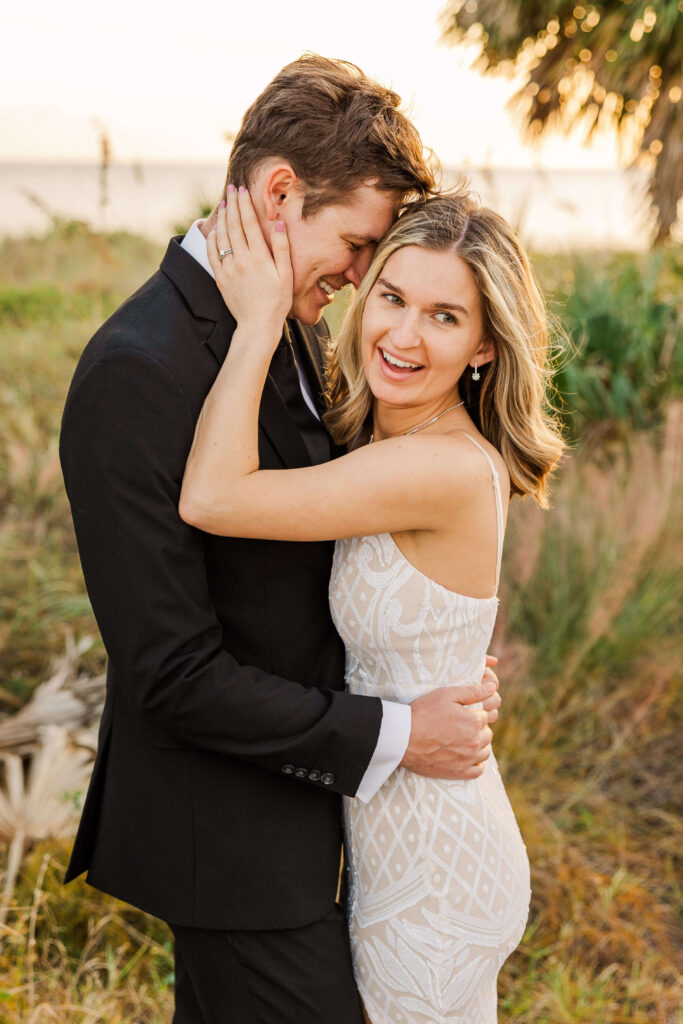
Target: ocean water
[(552, 210)]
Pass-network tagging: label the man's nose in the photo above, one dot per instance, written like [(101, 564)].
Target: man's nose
[(359, 267), (353, 276)]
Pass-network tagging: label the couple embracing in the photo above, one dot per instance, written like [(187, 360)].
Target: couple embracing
[(265, 684)]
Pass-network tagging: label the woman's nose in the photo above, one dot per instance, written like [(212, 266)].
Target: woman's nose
[(405, 333)]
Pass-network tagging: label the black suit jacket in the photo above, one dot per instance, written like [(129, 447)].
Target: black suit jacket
[(226, 736)]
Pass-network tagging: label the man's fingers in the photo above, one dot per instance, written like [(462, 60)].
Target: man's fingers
[(490, 676), (492, 703), (474, 693), (491, 660), (484, 735)]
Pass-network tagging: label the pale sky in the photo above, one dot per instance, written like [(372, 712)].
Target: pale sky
[(167, 80)]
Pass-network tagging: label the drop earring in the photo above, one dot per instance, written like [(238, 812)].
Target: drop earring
[(476, 375)]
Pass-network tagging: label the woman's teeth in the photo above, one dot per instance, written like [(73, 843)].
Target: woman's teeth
[(402, 364)]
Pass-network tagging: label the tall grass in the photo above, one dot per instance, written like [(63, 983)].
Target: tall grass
[(78, 956), (588, 637), (54, 293)]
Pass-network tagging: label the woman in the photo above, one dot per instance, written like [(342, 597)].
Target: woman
[(442, 362)]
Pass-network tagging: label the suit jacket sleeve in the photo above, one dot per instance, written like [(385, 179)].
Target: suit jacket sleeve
[(126, 432)]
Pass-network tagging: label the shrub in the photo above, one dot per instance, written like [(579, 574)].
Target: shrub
[(621, 363)]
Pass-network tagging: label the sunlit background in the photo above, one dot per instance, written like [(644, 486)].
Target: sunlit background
[(115, 127), (167, 85)]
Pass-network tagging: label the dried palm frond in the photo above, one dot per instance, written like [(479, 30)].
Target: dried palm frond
[(40, 798), (67, 699)]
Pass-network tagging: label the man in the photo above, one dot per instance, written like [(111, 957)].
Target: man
[(227, 737)]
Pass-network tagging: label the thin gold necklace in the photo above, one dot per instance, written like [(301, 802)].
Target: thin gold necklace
[(427, 423)]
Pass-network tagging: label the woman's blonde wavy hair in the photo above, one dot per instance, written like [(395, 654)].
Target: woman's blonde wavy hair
[(509, 404)]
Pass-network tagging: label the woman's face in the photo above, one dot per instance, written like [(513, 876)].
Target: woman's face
[(422, 325)]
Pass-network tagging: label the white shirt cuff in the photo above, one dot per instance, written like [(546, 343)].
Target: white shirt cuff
[(392, 743)]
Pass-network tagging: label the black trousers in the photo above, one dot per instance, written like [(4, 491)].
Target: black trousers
[(292, 976)]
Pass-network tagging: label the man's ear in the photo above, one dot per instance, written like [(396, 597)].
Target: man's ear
[(484, 354), (280, 189)]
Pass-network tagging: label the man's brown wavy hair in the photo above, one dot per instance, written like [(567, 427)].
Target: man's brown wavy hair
[(338, 129)]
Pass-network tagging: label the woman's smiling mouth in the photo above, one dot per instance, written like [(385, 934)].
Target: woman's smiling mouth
[(402, 366)]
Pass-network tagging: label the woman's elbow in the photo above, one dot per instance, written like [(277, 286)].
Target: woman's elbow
[(192, 510), (207, 512)]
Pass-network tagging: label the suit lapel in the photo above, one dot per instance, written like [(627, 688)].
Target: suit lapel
[(309, 344), (314, 341), (206, 303), (277, 424), (196, 286)]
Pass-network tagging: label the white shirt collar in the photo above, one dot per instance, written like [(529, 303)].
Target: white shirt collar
[(195, 243)]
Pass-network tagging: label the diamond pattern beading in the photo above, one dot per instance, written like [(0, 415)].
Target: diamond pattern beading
[(439, 875)]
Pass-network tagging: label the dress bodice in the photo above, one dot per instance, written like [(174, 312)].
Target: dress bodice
[(404, 633)]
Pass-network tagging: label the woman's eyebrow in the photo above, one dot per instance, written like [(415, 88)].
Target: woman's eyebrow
[(434, 305), (387, 284)]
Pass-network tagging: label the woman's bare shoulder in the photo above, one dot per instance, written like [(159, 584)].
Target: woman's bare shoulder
[(461, 461)]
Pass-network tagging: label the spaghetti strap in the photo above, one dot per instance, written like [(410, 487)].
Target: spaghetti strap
[(499, 505)]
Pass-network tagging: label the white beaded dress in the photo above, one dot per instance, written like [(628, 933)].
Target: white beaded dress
[(439, 875)]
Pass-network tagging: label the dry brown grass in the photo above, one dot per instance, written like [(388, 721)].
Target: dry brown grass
[(589, 737), (77, 956)]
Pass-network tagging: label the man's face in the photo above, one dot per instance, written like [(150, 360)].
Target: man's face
[(334, 247)]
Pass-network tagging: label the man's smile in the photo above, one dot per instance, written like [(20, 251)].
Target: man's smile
[(328, 288)]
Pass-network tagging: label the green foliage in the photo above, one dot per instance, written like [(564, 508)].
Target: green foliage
[(616, 61), (201, 207), (624, 358), (20, 306)]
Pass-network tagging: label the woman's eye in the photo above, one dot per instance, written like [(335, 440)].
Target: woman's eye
[(395, 300), (446, 318)]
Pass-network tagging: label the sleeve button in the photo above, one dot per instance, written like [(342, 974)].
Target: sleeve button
[(288, 769), (301, 773), (327, 779), (314, 775)]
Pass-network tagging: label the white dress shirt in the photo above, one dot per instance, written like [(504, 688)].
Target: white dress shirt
[(394, 732)]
